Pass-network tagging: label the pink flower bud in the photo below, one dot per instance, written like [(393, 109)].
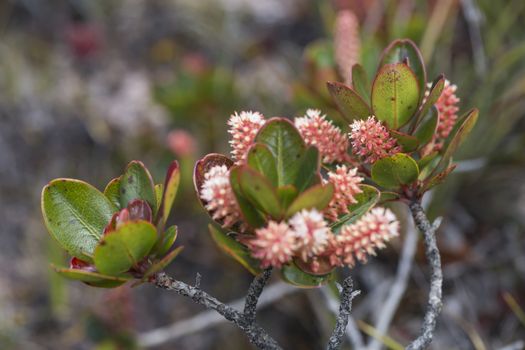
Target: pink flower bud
[(346, 186), (273, 245), (317, 131), (243, 128), (371, 140)]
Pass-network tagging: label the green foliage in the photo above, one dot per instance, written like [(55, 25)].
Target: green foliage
[(395, 94), (113, 234), (351, 105), (75, 214), (395, 171)]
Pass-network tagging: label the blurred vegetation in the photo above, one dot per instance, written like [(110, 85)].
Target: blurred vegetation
[(87, 85)]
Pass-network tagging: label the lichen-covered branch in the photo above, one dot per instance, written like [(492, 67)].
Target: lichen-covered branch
[(347, 295), (254, 292), (257, 336), (435, 303)]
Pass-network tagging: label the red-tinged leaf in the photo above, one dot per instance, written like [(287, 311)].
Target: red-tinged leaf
[(351, 105), (171, 186)]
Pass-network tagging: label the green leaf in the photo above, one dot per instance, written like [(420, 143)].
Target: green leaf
[(259, 191), (159, 189), (392, 172), (235, 249), (295, 276), (171, 186), (428, 127), (161, 264), (318, 197), (286, 195), (395, 95), (75, 214), (112, 192), (249, 212), (122, 249), (351, 105), (434, 93), (366, 200), (388, 196), (405, 51), (360, 82), (463, 127), (137, 183), (94, 279), (426, 161), (167, 240), (260, 158), (309, 168), (407, 142), (286, 145)]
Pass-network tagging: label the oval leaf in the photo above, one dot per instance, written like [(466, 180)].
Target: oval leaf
[(405, 51), (407, 142), (317, 197), (287, 146), (260, 158), (434, 93), (235, 249), (94, 279), (293, 275), (122, 249), (395, 95), (259, 191), (249, 212), (309, 169), (75, 214), (112, 192), (392, 172), (351, 105), (167, 241), (136, 183)]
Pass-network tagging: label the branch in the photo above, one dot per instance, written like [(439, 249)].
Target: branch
[(347, 295), (256, 335), (254, 292), (434, 260)]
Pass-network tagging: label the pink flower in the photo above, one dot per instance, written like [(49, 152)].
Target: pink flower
[(447, 106), (243, 128), (317, 131), (370, 232), (347, 43), (346, 186), (181, 142), (371, 140), (311, 233), (273, 245), (218, 195)]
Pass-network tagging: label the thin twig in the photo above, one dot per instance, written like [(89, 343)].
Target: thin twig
[(435, 303), (347, 295), (254, 292), (210, 318), (397, 290), (257, 336), (353, 334)]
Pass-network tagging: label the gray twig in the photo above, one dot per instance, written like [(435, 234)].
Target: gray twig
[(254, 292), (347, 295), (435, 303), (257, 335)]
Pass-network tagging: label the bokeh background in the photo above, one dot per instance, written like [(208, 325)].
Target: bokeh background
[(88, 85)]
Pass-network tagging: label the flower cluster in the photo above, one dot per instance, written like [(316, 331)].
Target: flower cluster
[(306, 236), (318, 131), (371, 140), (346, 186), (447, 106), (243, 129), (218, 195), (346, 43)]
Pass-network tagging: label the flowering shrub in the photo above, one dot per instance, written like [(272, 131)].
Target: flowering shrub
[(299, 196), (302, 196)]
